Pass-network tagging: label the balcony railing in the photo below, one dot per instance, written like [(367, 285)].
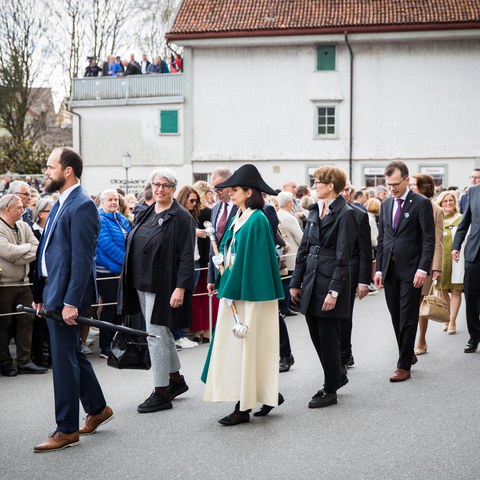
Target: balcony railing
[(124, 88)]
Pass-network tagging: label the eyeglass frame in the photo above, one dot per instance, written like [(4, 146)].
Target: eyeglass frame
[(162, 186), (395, 185)]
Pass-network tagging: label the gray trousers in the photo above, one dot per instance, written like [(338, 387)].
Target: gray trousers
[(163, 352)]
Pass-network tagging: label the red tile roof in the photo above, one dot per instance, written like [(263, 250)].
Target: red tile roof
[(212, 18)]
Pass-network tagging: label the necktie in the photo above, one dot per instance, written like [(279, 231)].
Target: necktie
[(46, 233), (396, 218), (222, 222)]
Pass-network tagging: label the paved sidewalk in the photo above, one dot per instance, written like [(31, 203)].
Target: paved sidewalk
[(426, 428)]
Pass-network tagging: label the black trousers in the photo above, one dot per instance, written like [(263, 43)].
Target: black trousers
[(108, 289), (403, 301), (347, 322), (325, 335), (285, 350), (472, 297)]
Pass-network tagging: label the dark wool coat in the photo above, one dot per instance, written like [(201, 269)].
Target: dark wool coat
[(326, 267), (167, 263)]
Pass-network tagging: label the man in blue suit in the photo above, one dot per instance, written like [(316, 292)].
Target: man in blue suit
[(65, 283)]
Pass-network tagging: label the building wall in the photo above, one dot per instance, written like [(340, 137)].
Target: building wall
[(105, 133), (415, 101)]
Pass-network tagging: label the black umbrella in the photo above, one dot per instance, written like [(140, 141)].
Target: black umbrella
[(86, 321)]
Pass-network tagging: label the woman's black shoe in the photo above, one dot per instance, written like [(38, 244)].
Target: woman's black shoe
[(235, 418), (266, 409)]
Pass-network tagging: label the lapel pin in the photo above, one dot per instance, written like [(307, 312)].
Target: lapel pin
[(406, 215), (160, 222)]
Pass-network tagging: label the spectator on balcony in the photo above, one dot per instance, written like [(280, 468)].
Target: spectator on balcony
[(132, 60), (106, 65), (159, 66), (93, 69), (114, 67), (144, 64), (131, 68)]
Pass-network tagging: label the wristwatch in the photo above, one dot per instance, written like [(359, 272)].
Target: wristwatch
[(333, 293)]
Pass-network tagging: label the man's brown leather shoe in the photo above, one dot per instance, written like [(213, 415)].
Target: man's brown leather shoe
[(400, 375), (92, 422), (58, 441)]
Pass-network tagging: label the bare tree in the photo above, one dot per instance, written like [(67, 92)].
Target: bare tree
[(153, 21), (22, 51), (21, 33), (69, 36)]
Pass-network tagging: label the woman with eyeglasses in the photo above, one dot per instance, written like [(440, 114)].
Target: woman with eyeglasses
[(321, 279), (158, 280)]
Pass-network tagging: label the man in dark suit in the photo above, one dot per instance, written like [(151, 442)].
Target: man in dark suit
[(406, 241), (360, 278), (471, 218), (222, 213), (65, 283)]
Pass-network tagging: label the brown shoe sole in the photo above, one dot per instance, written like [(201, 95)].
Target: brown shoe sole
[(41, 450)]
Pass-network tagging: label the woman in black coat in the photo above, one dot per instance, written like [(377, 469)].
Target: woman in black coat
[(321, 278), (158, 279)]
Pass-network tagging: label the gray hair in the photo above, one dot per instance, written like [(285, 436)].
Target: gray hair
[(284, 197), (165, 173), (6, 199), (41, 206), (15, 186), (380, 188), (106, 192), (221, 172)]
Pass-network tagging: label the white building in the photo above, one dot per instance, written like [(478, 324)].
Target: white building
[(290, 90)]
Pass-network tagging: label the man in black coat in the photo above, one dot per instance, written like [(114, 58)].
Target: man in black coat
[(360, 277), (406, 241), (471, 218)]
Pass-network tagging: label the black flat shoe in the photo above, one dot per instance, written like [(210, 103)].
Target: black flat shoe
[(266, 409), (322, 399), (235, 418)]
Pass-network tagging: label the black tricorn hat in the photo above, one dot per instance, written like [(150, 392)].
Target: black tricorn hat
[(247, 176)]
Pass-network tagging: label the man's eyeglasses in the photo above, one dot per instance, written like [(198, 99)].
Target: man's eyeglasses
[(395, 185), (476, 177), (162, 186), (28, 194), (10, 201), (316, 182)]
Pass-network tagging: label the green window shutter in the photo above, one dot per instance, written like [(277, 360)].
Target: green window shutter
[(169, 121), (326, 57)]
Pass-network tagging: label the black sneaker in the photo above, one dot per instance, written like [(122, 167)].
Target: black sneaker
[(155, 403), (175, 389), (105, 353), (322, 399)]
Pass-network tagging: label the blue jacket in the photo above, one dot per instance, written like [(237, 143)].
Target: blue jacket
[(111, 241)]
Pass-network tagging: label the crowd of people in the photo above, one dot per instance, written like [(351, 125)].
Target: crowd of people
[(116, 66), (277, 252)]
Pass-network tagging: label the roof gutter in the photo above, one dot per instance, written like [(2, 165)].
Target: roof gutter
[(350, 145), (172, 37)]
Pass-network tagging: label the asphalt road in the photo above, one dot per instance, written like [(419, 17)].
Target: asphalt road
[(425, 428)]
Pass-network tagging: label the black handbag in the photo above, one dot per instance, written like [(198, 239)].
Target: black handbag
[(129, 351)]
